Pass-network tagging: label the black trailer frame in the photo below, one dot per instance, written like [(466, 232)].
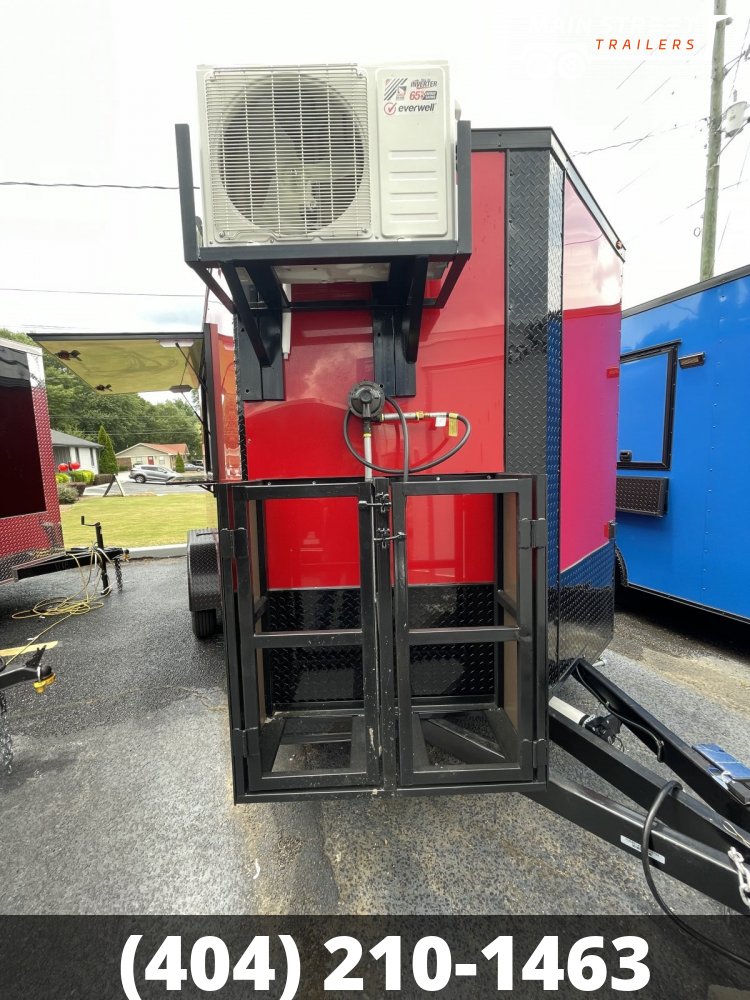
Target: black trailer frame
[(692, 839), (390, 727)]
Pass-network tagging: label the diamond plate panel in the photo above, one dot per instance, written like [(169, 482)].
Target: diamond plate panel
[(304, 610), (30, 536), (554, 365), (310, 676), (453, 670), (587, 608), (451, 607), (240, 405), (527, 302), (642, 495), (534, 339), (295, 676)]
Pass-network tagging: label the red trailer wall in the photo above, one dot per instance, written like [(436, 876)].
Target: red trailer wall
[(225, 427), (36, 533), (460, 368), (592, 294)]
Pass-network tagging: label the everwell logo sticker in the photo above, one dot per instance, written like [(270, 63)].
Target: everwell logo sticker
[(400, 95), (395, 89)]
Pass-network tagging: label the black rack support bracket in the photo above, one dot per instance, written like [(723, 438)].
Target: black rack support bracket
[(397, 304)]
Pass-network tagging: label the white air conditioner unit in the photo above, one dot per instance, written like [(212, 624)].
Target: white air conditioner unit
[(349, 154)]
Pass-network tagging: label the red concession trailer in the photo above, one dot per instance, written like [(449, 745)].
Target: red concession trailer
[(31, 539), (29, 512), (413, 450)]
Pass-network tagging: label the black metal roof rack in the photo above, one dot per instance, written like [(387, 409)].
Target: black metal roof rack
[(257, 298)]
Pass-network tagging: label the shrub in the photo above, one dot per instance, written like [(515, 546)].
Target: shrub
[(62, 477), (82, 476), (66, 494), (179, 465)]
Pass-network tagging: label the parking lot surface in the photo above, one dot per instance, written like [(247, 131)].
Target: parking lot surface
[(120, 796)]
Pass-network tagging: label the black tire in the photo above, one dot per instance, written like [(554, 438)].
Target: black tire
[(139, 479), (205, 623)]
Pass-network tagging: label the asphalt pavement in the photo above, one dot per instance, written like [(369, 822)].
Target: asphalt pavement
[(120, 798)]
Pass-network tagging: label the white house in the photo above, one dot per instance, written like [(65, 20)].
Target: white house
[(144, 453), (68, 448)]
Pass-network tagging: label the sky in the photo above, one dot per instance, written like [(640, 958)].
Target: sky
[(92, 89)]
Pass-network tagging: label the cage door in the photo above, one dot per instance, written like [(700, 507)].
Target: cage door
[(470, 660)]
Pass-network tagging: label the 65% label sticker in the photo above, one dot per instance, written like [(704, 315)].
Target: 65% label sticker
[(429, 965)]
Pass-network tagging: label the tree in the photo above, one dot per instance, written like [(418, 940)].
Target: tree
[(179, 464), (107, 459)]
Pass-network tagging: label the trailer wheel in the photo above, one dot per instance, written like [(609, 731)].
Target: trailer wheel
[(205, 623)]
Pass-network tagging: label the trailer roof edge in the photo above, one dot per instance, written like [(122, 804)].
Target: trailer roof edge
[(19, 345), (681, 293), (546, 139)]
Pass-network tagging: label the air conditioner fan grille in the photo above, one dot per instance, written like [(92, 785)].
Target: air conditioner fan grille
[(289, 152)]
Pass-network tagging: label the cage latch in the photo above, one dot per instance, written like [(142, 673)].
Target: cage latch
[(384, 538), (381, 500)]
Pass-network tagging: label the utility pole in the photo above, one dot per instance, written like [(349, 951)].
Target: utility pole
[(711, 204)]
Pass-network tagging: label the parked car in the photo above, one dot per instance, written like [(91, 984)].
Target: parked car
[(153, 474), (193, 466)]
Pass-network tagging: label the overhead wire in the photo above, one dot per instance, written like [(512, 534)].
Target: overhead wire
[(82, 291), (639, 139), (739, 181), (83, 184), (743, 52)]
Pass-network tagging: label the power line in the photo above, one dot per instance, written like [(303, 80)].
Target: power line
[(742, 53), (631, 73), (739, 181), (635, 142), (685, 208), (80, 184), (80, 291)]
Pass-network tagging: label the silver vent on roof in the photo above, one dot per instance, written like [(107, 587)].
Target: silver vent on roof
[(287, 153)]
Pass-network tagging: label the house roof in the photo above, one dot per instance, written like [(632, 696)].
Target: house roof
[(166, 449), (61, 440)]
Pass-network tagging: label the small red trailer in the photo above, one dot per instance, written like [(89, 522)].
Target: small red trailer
[(31, 539), (29, 511), (413, 446)]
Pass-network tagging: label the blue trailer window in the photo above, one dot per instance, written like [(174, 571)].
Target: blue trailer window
[(646, 408)]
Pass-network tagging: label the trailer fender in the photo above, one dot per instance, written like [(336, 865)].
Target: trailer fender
[(204, 586)]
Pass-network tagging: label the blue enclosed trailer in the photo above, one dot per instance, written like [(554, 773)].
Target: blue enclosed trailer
[(684, 445)]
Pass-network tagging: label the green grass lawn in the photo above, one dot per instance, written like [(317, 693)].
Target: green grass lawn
[(136, 521)]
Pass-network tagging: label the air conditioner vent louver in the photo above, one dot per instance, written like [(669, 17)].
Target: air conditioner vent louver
[(288, 152)]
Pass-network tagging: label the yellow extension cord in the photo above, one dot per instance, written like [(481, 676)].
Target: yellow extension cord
[(62, 608)]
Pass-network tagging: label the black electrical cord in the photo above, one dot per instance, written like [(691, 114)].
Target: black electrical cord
[(662, 794), (424, 466)]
